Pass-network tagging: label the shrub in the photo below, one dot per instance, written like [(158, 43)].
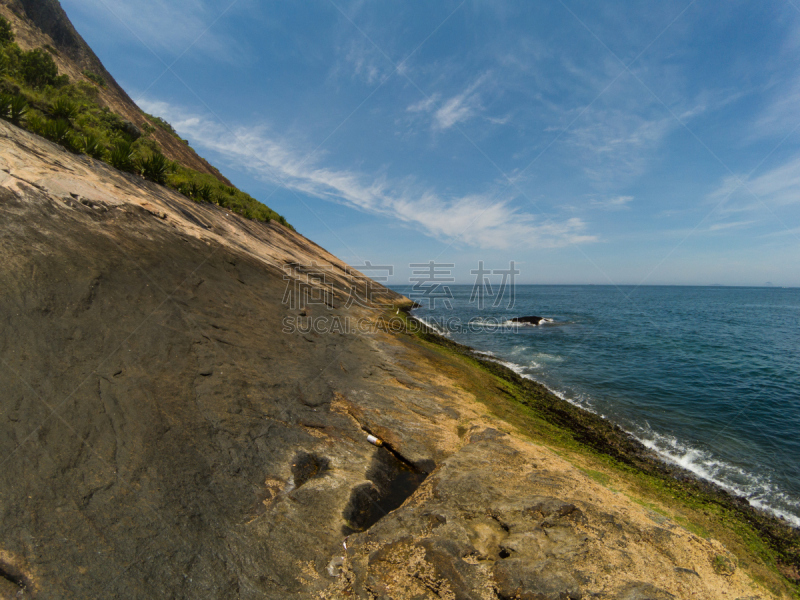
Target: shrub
[(35, 124), (60, 81), (121, 156), (57, 130), (6, 33), (38, 68), (5, 106), (18, 110), (63, 108), (93, 147), (155, 168), (60, 132), (205, 194), (159, 122), (192, 190), (94, 78)]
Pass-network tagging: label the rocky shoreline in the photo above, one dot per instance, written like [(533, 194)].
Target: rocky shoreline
[(607, 438)]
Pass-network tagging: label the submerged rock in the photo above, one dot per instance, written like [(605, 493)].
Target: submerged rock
[(528, 320)]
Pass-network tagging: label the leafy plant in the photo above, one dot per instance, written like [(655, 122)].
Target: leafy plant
[(122, 156), (38, 68), (93, 146), (57, 130), (155, 168), (60, 132), (18, 110), (205, 193), (5, 106), (64, 108), (6, 33), (35, 124)]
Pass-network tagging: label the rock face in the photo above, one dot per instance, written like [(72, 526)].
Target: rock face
[(500, 519), (166, 435)]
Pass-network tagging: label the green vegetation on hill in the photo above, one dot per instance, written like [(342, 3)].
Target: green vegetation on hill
[(35, 97)]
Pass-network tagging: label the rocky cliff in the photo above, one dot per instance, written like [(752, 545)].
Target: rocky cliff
[(165, 436)]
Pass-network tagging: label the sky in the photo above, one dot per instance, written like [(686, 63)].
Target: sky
[(623, 143)]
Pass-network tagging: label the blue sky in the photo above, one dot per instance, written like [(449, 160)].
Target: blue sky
[(607, 143)]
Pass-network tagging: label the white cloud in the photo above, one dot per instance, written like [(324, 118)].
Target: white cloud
[(426, 104), (366, 62), (457, 109), (778, 187), (476, 220)]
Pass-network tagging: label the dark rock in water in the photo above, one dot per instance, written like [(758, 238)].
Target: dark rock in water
[(529, 320)]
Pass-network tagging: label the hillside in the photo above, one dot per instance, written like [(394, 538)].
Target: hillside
[(177, 424), (42, 23), (52, 84)]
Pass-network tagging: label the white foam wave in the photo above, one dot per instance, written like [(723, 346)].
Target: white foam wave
[(431, 325), (758, 490)]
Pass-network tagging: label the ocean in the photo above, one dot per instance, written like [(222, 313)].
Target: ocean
[(707, 377)]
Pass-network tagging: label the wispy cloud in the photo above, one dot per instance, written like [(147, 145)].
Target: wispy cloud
[(459, 108), (615, 146), (362, 60), (476, 220), (779, 186)]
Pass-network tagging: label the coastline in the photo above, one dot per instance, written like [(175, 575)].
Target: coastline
[(623, 452), (678, 461)]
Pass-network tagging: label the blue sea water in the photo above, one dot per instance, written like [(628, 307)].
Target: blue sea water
[(708, 377)]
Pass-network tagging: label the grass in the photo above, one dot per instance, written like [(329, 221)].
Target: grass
[(202, 187), (767, 548), (35, 97)]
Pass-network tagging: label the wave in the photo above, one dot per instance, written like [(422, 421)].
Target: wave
[(759, 491), (431, 325)]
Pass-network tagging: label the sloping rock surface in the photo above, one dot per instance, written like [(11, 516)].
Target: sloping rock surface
[(165, 435)]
